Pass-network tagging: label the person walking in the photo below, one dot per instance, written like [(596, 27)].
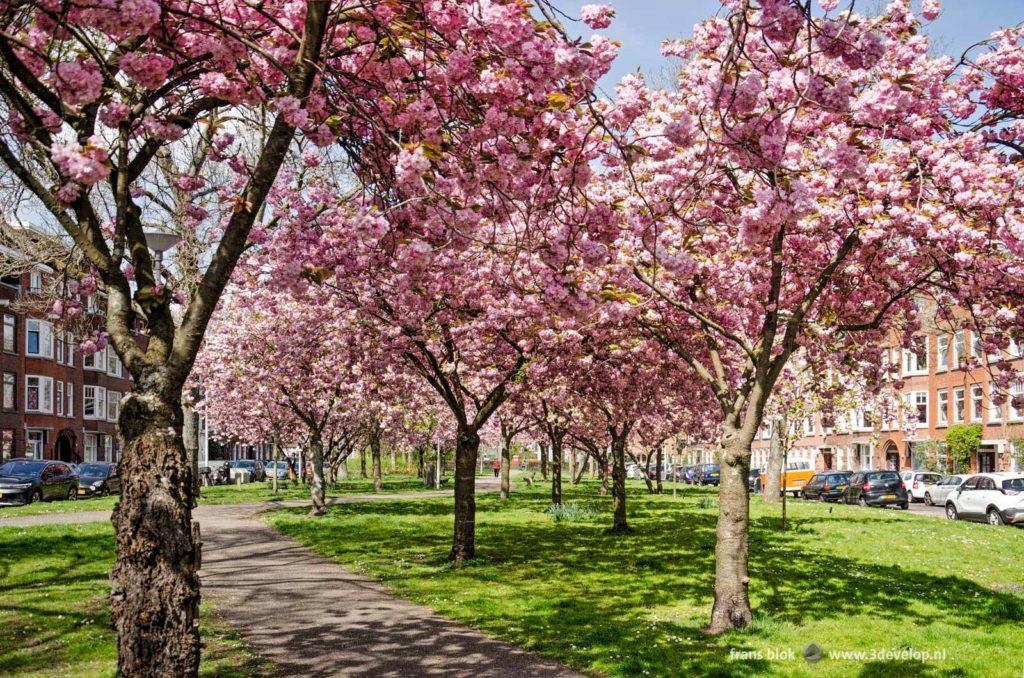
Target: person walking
[(497, 467)]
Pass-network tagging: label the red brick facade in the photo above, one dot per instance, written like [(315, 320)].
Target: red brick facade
[(47, 385)]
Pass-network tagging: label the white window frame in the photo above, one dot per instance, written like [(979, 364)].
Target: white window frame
[(99, 402), (911, 362), (59, 398), (977, 403), (113, 361), (69, 396), (90, 446), (1014, 413), (113, 405), (35, 281), (44, 385), (915, 399), (942, 407), (959, 349), (959, 404), (977, 350), (10, 330), (995, 412), (942, 353), (108, 448), (95, 362), (45, 331), (35, 448)]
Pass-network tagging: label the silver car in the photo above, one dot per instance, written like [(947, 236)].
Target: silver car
[(936, 494)]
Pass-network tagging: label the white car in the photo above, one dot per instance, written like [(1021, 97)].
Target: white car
[(937, 494), (633, 472), (996, 498), (919, 482)]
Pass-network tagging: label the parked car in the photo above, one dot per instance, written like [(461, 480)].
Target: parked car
[(23, 481), (276, 468), (827, 485), (937, 494), (250, 466), (98, 479), (995, 498), (794, 477), (876, 488), (918, 482), (689, 475), (709, 474), (754, 479)]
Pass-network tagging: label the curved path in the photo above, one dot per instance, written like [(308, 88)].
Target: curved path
[(311, 617)]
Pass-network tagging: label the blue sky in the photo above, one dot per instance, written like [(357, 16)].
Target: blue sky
[(641, 25)]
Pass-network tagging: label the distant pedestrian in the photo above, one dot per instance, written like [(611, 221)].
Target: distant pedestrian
[(497, 467)]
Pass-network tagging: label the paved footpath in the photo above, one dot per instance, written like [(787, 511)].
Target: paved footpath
[(311, 617)]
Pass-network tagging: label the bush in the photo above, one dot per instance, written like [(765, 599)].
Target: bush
[(707, 503), (961, 441), (572, 513)]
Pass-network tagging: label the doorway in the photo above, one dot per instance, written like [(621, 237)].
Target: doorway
[(986, 462), (826, 460), (64, 448), (892, 458)]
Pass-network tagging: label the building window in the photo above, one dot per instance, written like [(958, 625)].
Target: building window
[(113, 363), (959, 405), (977, 402), (113, 404), (995, 412), (35, 282), (93, 402), (95, 361), (10, 392), (918, 404), (1016, 392), (943, 407), (977, 349), (60, 398), (943, 354), (915, 358), (108, 448), (69, 399), (959, 349), (38, 394), (35, 443), (90, 447), (38, 338), (10, 333)]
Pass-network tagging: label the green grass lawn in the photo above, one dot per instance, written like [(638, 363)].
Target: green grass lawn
[(849, 579), (249, 493), (54, 616)]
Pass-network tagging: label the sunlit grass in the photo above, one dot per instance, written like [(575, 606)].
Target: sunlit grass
[(849, 579)]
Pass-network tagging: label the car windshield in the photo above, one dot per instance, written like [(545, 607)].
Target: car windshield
[(21, 468), (885, 475), (92, 470), (1014, 484)]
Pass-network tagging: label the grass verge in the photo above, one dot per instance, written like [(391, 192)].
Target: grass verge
[(915, 595), (54, 617)]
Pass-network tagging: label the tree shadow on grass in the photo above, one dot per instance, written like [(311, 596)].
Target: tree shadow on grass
[(574, 592)]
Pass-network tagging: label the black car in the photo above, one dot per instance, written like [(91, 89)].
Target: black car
[(98, 479), (876, 488), (709, 474), (23, 481), (827, 485)]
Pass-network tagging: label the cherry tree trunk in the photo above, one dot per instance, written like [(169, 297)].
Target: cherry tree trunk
[(556, 473), (362, 463), (572, 466), (659, 459), (439, 475), (602, 474), (277, 458), (301, 475), (316, 488), (375, 459), (619, 523), (154, 588), (467, 444), (543, 461), (732, 603), (506, 466), (773, 473)]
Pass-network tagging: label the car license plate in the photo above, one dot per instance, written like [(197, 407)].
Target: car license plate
[(81, 491), (888, 496)]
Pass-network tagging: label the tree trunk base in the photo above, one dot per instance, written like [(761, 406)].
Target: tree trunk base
[(729, 614)]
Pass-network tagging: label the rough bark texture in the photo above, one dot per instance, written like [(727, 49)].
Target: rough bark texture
[(277, 458), (619, 523), (302, 465), (154, 589), (190, 438), (362, 463), (543, 461), (316, 489), (378, 483), (773, 473), (439, 475), (732, 604), (506, 466), (464, 541), (343, 466), (659, 458)]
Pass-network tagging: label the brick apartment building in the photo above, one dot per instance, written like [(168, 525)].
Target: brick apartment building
[(943, 389), (56, 403)]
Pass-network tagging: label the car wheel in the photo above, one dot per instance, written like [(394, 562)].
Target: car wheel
[(36, 496), (951, 512), (928, 499), (862, 502), (994, 518), (72, 493), (904, 506), (821, 497), (103, 491)]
